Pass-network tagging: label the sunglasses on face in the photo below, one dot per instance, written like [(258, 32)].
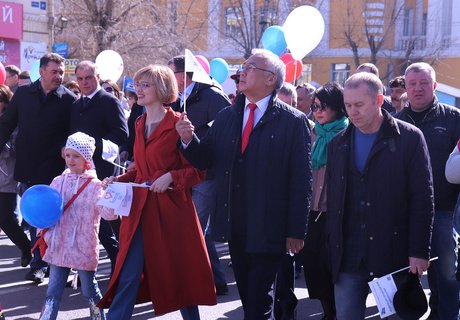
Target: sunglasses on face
[(318, 107), (108, 89)]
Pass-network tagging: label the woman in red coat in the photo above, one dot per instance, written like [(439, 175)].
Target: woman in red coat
[(162, 255)]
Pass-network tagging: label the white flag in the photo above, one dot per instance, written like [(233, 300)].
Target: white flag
[(384, 289), (109, 151), (193, 65)]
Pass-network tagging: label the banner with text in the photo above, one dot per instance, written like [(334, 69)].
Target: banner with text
[(11, 20)]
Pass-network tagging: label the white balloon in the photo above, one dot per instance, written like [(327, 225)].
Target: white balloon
[(303, 30), (110, 65)]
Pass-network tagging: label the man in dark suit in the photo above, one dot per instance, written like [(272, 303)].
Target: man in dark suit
[(260, 150), (41, 112), (100, 115)]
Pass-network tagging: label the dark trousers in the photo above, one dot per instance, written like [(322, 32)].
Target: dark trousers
[(109, 241), (9, 223), (285, 299), (254, 275)]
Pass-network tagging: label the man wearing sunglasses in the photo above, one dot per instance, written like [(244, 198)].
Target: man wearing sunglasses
[(260, 151)]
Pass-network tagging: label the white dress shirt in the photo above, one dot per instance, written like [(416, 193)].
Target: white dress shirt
[(262, 106), (94, 92)]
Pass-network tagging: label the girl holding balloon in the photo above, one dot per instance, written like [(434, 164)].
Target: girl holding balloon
[(72, 242)]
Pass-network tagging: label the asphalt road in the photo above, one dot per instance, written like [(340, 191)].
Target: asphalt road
[(22, 299)]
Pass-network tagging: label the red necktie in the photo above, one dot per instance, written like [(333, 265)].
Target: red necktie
[(248, 127)]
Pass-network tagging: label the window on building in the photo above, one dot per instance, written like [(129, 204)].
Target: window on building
[(305, 76), (232, 22), (340, 72), (446, 18), (424, 23), (268, 17), (408, 22)]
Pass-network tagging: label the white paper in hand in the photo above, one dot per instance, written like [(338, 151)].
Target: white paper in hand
[(113, 195), (118, 196), (125, 207), (384, 289)]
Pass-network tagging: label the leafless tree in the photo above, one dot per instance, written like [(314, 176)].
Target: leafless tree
[(246, 22), (248, 19), (141, 31), (361, 30)]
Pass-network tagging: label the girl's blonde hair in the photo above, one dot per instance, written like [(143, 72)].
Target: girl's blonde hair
[(162, 79)]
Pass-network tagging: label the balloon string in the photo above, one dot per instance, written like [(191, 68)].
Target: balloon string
[(293, 80)]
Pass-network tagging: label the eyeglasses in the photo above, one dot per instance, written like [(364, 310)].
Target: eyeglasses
[(108, 89), (318, 107), (142, 85), (248, 68)]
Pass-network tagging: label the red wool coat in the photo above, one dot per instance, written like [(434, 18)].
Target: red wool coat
[(177, 272)]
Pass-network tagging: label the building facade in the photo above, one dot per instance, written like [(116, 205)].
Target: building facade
[(31, 20), (389, 33)]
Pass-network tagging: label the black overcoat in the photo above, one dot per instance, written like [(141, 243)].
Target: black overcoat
[(275, 174), (399, 198)]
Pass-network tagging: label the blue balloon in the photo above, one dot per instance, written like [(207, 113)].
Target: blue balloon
[(273, 40), (34, 71), (41, 206), (219, 69)]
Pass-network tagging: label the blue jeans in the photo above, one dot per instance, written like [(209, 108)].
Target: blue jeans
[(128, 284), (204, 198), (351, 290), (56, 285), (444, 299)]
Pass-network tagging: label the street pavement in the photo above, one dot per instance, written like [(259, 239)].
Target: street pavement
[(22, 299)]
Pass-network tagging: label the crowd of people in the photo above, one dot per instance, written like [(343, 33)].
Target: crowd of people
[(343, 182)]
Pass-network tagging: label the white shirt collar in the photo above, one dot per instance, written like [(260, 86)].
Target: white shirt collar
[(262, 104), (188, 91), (94, 92)]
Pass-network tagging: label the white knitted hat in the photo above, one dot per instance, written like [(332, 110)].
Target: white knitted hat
[(83, 144)]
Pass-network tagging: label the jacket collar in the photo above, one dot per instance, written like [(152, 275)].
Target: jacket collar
[(433, 113), (389, 128), (196, 89), (37, 87)]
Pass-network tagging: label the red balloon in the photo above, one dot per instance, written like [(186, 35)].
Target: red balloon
[(293, 67), (204, 63), (2, 74)]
